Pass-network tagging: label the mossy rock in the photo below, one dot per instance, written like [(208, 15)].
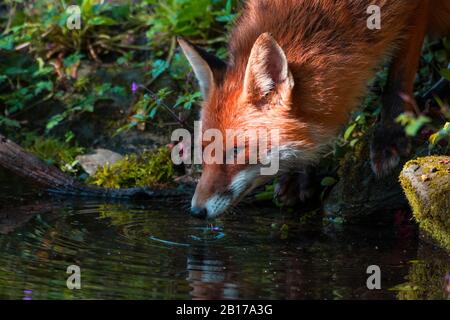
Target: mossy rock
[(426, 183), (153, 168)]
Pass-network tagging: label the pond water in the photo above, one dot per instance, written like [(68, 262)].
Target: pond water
[(156, 251)]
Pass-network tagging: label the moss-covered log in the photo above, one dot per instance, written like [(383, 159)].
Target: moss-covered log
[(16, 160), (426, 183)]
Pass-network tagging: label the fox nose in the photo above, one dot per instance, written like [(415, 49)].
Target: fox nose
[(200, 213)]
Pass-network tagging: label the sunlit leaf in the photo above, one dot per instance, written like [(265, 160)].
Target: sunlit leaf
[(328, 181)]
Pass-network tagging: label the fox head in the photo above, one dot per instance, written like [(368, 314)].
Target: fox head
[(254, 94)]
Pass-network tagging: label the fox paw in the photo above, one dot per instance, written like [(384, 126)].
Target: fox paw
[(389, 143), (294, 188)]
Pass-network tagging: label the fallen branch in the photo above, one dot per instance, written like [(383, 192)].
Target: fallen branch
[(19, 162)]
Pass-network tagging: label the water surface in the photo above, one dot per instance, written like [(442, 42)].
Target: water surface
[(156, 251)]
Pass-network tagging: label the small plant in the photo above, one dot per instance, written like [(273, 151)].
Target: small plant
[(187, 18), (412, 123), (41, 58), (442, 134), (54, 151)]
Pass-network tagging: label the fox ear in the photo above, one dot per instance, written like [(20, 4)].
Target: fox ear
[(207, 68), (267, 69)]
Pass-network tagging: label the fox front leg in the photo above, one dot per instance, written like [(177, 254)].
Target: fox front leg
[(389, 142)]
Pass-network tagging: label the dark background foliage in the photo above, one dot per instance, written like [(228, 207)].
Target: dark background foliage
[(121, 82)]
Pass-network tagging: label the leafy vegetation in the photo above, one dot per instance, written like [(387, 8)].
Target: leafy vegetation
[(429, 129), (125, 54), (61, 153), (44, 61)]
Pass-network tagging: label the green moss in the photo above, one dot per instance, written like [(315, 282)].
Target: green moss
[(284, 232), (312, 219), (150, 169), (352, 162), (53, 151), (431, 210), (359, 194), (425, 280), (439, 231)]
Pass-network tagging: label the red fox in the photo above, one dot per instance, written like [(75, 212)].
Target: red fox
[(301, 66)]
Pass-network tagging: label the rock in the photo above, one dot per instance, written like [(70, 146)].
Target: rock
[(359, 196), (426, 183), (98, 158)]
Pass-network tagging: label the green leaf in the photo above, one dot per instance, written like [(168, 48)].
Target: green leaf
[(349, 131), (353, 142), (443, 133), (159, 66), (72, 59), (54, 121), (264, 196), (445, 73), (139, 117), (102, 21), (7, 42), (9, 122), (86, 7), (152, 113), (121, 12), (14, 71), (69, 136), (119, 90), (413, 128), (43, 85), (328, 182)]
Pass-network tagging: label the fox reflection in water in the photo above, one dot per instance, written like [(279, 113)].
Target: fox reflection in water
[(208, 275)]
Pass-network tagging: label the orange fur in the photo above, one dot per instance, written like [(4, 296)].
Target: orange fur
[(331, 54)]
